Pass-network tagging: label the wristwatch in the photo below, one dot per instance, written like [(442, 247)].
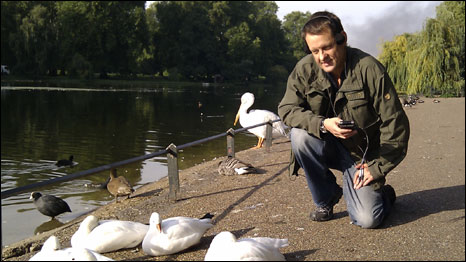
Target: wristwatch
[(322, 127)]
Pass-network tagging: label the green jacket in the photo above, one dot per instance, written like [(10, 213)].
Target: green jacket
[(367, 96)]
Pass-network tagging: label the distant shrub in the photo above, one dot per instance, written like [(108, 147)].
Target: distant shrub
[(80, 67), (277, 73)]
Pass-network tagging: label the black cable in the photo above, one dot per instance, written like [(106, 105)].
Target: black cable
[(363, 160)]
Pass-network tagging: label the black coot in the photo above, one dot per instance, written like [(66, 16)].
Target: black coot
[(65, 162), (49, 205)]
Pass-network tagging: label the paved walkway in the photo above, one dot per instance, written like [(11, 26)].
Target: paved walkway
[(427, 222)]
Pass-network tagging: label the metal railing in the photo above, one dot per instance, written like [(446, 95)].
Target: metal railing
[(172, 161)]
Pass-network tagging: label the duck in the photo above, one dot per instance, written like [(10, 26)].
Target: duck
[(405, 102), (108, 235), (233, 166), (173, 234), (65, 162), (226, 247), (119, 185), (51, 251), (258, 116), (49, 205)]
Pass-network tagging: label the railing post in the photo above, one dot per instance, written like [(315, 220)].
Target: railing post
[(173, 178), (268, 136), (231, 142)]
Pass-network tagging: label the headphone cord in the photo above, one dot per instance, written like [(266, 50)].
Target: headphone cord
[(363, 160)]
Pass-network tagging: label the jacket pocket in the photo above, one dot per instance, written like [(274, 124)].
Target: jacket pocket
[(361, 110), (317, 101)]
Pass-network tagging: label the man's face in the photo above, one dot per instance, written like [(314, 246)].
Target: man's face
[(328, 55)]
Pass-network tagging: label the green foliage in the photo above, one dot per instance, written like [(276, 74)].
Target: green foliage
[(292, 26), (38, 41), (277, 73), (79, 67), (431, 61), (395, 58), (193, 40), (45, 36), (198, 40), (11, 38)]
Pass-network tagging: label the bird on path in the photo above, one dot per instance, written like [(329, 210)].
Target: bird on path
[(231, 166), (119, 185), (257, 116), (173, 234), (225, 247), (65, 162), (108, 235), (49, 205), (51, 251), (404, 101)]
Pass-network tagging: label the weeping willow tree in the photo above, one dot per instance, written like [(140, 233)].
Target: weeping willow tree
[(394, 56), (431, 61)]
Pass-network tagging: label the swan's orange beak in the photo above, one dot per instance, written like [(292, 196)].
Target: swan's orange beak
[(236, 119), (159, 228)]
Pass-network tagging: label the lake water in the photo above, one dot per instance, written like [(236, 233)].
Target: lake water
[(99, 126)]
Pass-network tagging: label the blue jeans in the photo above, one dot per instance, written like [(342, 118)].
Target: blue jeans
[(366, 206)]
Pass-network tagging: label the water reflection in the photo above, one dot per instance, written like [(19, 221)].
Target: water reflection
[(46, 226), (99, 126)]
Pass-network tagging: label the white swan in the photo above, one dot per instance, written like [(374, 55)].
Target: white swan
[(257, 116), (51, 252), (108, 235), (173, 234), (225, 247)]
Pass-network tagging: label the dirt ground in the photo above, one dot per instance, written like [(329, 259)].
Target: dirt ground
[(427, 222)]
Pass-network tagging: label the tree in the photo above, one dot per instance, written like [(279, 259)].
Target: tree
[(196, 41), (395, 58), (75, 26), (292, 25), (241, 47), (273, 49), (11, 37), (107, 36), (147, 60), (191, 39), (38, 41), (453, 12), (431, 61)]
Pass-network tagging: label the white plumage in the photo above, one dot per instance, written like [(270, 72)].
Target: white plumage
[(51, 252), (258, 116), (108, 235), (173, 234), (225, 247)]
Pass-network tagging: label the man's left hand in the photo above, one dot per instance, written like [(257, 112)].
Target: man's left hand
[(365, 180)]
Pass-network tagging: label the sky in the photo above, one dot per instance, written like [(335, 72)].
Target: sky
[(368, 23)]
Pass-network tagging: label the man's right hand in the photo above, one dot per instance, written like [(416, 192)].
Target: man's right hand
[(331, 124)]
